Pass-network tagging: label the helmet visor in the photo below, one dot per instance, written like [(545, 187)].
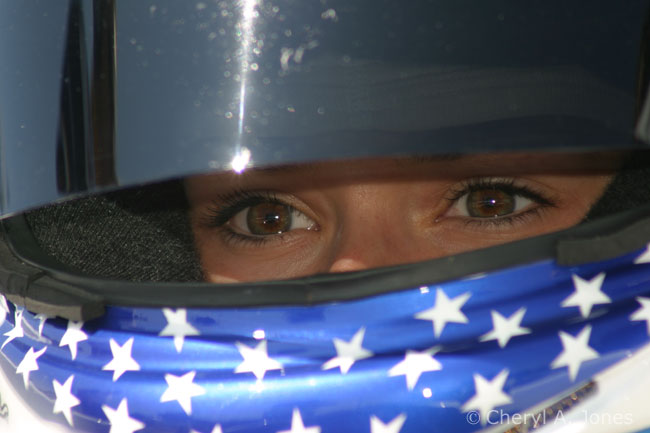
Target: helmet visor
[(151, 92)]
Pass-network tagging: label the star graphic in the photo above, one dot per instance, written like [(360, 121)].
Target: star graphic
[(444, 311), (4, 309), (177, 326), (216, 429), (17, 330), (642, 313), (120, 420), (122, 360), (505, 328), (394, 426), (297, 425), (256, 360), (41, 322), (576, 350), (73, 335), (29, 364), (414, 364), (64, 398), (348, 352), (182, 389), (489, 394), (587, 294), (644, 257)]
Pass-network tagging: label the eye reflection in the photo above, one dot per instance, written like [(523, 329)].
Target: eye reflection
[(489, 203)]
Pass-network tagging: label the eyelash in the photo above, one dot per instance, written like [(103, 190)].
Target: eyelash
[(225, 207), (508, 186)]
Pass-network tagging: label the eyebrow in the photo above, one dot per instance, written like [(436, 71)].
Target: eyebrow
[(421, 159), (277, 168), (435, 158)]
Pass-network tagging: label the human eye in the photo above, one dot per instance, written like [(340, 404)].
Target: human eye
[(496, 201), (256, 217)]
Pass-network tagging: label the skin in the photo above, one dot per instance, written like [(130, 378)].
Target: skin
[(362, 214)]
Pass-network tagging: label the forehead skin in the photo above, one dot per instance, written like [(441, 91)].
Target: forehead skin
[(331, 173)]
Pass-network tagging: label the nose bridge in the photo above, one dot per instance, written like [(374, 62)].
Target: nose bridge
[(371, 234)]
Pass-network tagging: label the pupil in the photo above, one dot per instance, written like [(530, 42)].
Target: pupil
[(268, 219), (490, 203)]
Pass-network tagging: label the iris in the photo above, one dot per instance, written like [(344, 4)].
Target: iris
[(268, 218), (488, 203)]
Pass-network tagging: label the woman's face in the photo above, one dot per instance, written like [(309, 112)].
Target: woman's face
[(293, 221)]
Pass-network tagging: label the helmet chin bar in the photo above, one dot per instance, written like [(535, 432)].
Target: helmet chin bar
[(610, 401)]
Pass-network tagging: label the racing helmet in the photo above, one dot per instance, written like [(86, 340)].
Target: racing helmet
[(108, 107)]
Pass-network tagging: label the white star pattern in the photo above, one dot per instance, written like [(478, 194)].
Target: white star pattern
[(587, 294), (41, 322), (414, 364), (17, 330), (73, 335), (29, 364), (122, 360), (4, 309), (182, 389), (642, 313), (505, 328), (576, 350), (394, 426), (64, 399), (489, 382), (489, 394), (178, 327), (445, 311), (256, 360), (644, 257), (297, 426), (120, 420), (348, 352)]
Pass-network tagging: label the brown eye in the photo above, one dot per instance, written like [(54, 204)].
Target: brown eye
[(268, 219), (495, 199), (490, 203)]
